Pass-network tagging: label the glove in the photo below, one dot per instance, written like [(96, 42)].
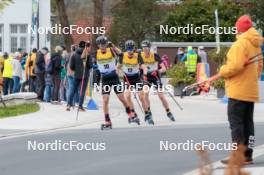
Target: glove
[(154, 73)]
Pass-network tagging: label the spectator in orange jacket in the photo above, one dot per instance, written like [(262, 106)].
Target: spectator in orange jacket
[(241, 84)]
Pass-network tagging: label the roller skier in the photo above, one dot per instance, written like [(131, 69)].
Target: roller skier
[(106, 60), (152, 61)]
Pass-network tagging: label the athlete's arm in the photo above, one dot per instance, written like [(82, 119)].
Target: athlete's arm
[(158, 59), (119, 63), (142, 65)]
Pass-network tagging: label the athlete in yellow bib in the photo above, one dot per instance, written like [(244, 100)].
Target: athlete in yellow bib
[(131, 64), (105, 59), (152, 61)]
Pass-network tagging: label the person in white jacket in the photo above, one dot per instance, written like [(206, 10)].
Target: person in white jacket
[(17, 72)]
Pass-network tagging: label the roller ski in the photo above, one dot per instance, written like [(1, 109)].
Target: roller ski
[(148, 119), (134, 119), (106, 125), (170, 116)]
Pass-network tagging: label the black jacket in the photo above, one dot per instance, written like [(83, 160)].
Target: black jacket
[(56, 64), (76, 64), (40, 64)]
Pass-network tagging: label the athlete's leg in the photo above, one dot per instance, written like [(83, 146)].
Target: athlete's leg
[(142, 99), (163, 99), (128, 99)]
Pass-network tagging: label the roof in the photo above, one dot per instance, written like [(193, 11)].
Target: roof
[(186, 44)]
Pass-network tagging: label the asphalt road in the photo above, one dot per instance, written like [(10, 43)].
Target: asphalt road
[(128, 151)]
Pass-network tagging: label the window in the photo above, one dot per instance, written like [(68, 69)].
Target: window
[(1, 37), (18, 37)]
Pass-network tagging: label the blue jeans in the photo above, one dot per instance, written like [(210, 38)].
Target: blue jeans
[(47, 93), (70, 88), (8, 85), (16, 87), (77, 83)]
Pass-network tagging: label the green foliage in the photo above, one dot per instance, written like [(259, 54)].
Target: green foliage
[(135, 19), (256, 11), (220, 58), (219, 84), (5, 3), (200, 13), (18, 110), (179, 75)]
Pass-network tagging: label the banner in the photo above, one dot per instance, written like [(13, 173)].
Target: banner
[(35, 20)]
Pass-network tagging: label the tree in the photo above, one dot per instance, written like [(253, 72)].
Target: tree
[(63, 18), (200, 13), (134, 19), (98, 17), (256, 11), (5, 3)]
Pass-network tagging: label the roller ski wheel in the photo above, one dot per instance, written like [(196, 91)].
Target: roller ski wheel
[(148, 119), (107, 125), (170, 116), (134, 120)]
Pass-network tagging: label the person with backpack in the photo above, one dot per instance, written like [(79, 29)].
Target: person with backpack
[(81, 63), (29, 70), (40, 71), (56, 72)]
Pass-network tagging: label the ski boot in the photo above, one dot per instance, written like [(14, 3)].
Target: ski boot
[(134, 120), (170, 116), (148, 119), (106, 125)]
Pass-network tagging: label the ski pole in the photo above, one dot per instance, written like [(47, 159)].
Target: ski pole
[(135, 96), (177, 103), (85, 62), (2, 100), (215, 77)]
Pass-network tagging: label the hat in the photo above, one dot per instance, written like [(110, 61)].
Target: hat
[(5, 55), (243, 24)]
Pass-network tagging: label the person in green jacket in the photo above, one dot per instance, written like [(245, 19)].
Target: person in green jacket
[(63, 75)]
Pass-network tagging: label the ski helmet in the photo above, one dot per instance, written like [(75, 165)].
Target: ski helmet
[(145, 43), (101, 40), (130, 45)]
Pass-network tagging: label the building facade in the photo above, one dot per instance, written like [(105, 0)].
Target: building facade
[(15, 24)]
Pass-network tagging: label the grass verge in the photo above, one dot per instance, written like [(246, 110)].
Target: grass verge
[(13, 111)]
